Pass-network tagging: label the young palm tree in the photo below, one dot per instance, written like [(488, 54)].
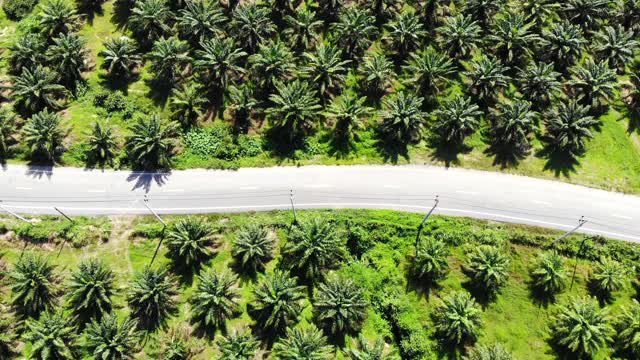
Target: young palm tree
[(482, 10), (486, 78), (43, 135), (403, 120), (376, 73), (489, 352), (628, 329), (456, 119), (253, 248), (27, 52), (513, 38), (325, 68), (459, 35), (539, 12), (405, 33), (152, 141), (581, 328), (243, 102), (120, 57), (295, 107), (303, 343), (33, 285), (177, 345), (278, 303), (354, 31), (273, 63), (617, 46), (238, 346), (58, 17), (340, 307), (313, 248), (169, 56), (150, 20), (252, 25), (219, 60), (8, 334), (109, 339), (488, 268), (89, 291), (189, 242), (586, 13), (428, 71), (562, 44), (102, 143), (51, 337), (187, 104), (568, 125), (366, 351), (539, 84), (608, 277), (430, 263), (214, 301), (303, 29), (200, 20), (7, 129), (512, 124), (548, 275), (458, 319), (151, 297), (37, 89), (68, 55), (348, 113)]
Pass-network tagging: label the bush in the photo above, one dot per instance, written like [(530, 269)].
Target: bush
[(115, 102), (249, 146), (149, 231), (403, 316), (18, 9), (216, 141)]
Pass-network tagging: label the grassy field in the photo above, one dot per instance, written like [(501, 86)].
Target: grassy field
[(513, 318)]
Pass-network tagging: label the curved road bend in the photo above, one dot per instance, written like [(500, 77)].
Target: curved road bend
[(478, 194)]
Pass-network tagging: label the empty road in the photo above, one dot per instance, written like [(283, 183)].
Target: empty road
[(478, 194)]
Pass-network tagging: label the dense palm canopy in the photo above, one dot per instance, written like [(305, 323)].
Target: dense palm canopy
[(548, 275), (190, 242), (403, 120), (348, 113), (428, 71), (430, 262), (253, 248), (68, 55), (33, 285), (488, 268), (58, 17), (325, 69), (608, 277), (51, 337), (456, 119), (459, 35), (294, 108), (7, 130), (89, 291), (278, 303), (457, 319), (151, 297), (238, 346), (120, 56), (219, 61), (568, 126), (512, 124), (628, 329), (110, 339), (303, 343), (340, 307), (214, 301), (37, 89), (44, 135), (152, 142), (539, 84), (168, 58)]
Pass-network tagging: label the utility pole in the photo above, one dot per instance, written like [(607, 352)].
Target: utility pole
[(424, 220), (24, 246), (293, 207), (581, 222), (164, 226), (65, 239)]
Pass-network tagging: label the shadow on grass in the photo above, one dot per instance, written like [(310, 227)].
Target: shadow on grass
[(447, 152), (558, 162), (482, 296), (121, 13), (540, 297), (89, 11), (159, 91), (392, 150), (119, 83)]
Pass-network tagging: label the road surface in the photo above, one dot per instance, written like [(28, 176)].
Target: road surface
[(478, 194)]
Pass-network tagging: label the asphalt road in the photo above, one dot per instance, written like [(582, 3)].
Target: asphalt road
[(478, 194)]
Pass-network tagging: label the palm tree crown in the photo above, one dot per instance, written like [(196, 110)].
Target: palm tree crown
[(460, 35), (252, 25), (340, 306), (214, 301), (488, 267), (89, 291), (37, 89), (44, 135), (151, 297), (219, 60), (430, 262), (189, 242), (58, 17), (405, 33), (51, 337), (109, 339), (548, 274), (457, 319), (102, 143), (238, 346), (120, 57), (616, 45), (608, 277), (253, 247), (303, 343), (294, 108), (325, 68), (568, 125), (428, 71), (152, 142), (33, 285), (403, 120), (200, 20), (628, 329), (354, 31), (456, 119), (278, 302)]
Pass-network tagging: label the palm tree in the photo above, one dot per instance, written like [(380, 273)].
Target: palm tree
[(456, 119), (120, 57), (325, 68), (367, 351), (102, 143), (51, 337), (152, 141), (403, 120), (459, 35), (273, 63), (486, 78), (7, 129), (313, 248), (586, 13), (303, 343), (27, 52), (238, 346), (177, 345), (568, 125), (219, 60), (458, 319), (548, 275), (58, 17), (251, 25), (43, 135), (429, 71), (340, 307), (348, 113), (189, 242), (430, 263), (169, 56), (539, 12), (200, 20), (405, 33), (243, 102), (562, 44), (329, 9), (187, 103), (151, 297), (354, 31), (581, 328), (608, 277), (150, 20), (383, 10), (488, 268), (303, 29), (295, 107), (37, 89), (214, 301), (89, 291), (617, 46), (109, 339), (68, 55), (90, 7), (376, 73), (482, 10), (539, 84), (512, 124), (512, 38), (629, 13), (489, 352), (628, 329), (253, 248), (278, 303), (8, 335)]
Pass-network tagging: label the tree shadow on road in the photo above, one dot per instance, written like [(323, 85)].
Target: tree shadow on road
[(144, 180)]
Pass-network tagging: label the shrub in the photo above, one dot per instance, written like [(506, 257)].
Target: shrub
[(18, 9), (216, 141), (115, 102), (249, 146)]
